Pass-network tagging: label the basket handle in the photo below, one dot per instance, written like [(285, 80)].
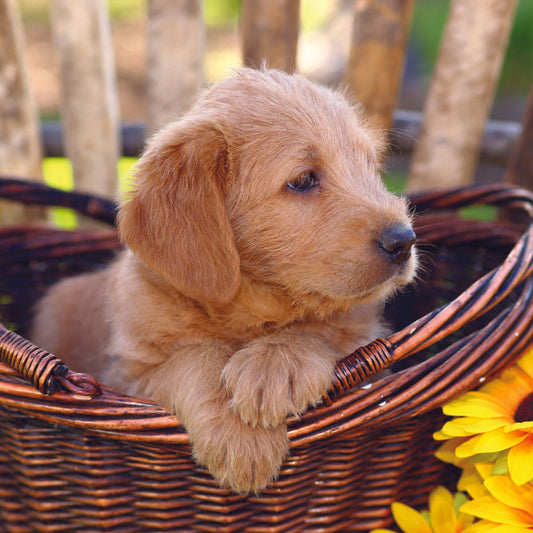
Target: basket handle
[(496, 194), (35, 193), (44, 371), (479, 298)]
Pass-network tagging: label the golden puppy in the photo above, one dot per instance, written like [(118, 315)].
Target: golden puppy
[(261, 246)]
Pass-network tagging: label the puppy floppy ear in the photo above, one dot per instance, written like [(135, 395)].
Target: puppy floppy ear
[(175, 219)]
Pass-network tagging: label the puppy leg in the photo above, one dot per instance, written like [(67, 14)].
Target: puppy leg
[(277, 375), (244, 458)]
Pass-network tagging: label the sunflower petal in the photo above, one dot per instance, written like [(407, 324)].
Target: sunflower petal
[(440, 435), (484, 469), (520, 463), (491, 509), (481, 526), (477, 404), (497, 440), (485, 424), (409, 520), (441, 512), (522, 426), (506, 492), (510, 389), (463, 521), (473, 485), (511, 529), (468, 447), (446, 451), (455, 428), (470, 482), (526, 363), (491, 527), (467, 425)]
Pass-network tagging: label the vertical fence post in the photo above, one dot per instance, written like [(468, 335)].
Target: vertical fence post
[(461, 93), (176, 44), (520, 169), (270, 33), (20, 145), (82, 37), (377, 55)]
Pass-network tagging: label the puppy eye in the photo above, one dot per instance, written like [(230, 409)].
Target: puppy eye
[(304, 182)]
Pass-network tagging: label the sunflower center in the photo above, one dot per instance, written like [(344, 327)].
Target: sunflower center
[(524, 411)]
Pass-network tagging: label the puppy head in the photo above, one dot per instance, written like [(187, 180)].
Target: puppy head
[(308, 209), (273, 178)]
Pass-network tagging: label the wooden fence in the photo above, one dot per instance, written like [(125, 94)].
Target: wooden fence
[(449, 136)]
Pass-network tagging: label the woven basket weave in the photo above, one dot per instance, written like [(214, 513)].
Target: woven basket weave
[(87, 458)]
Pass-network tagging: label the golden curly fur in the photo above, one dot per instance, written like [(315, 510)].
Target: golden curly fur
[(261, 246)]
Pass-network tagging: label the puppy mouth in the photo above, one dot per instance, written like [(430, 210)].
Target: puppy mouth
[(382, 291), (403, 273)]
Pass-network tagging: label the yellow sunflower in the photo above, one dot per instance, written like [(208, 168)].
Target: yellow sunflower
[(484, 526), (497, 419), (502, 506), (443, 515), (469, 474)]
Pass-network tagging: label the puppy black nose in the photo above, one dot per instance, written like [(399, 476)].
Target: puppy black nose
[(396, 243)]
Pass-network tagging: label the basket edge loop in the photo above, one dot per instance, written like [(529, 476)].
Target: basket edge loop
[(79, 384), (497, 194), (361, 365), (43, 370)]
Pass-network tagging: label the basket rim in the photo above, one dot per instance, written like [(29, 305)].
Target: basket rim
[(119, 416)]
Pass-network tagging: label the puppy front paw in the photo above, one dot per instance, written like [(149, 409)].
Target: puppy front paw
[(238, 456), (271, 378)]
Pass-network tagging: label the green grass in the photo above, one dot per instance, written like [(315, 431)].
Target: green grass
[(488, 213), (38, 11), (395, 181)]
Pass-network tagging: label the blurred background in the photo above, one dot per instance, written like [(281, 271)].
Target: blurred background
[(323, 49)]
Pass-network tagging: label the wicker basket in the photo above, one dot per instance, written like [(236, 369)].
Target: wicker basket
[(87, 458)]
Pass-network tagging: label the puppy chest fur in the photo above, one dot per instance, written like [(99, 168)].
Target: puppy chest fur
[(261, 245)]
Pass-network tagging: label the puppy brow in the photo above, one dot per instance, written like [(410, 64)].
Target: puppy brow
[(312, 153)]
